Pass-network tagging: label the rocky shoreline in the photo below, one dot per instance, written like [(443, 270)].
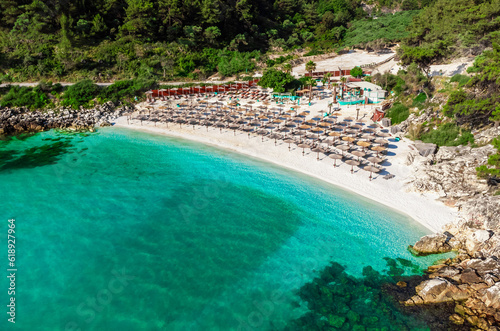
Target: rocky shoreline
[(471, 280), (15, 121)]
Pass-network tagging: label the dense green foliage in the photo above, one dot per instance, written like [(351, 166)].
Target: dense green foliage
[(479, 103), (377, 33), (448, 134), (356, 72), (25, 97), (278, 80), (419, 100), (107, 39), (80, 94), (126, 90), (461, 79), (451, 28), (48, 95), (493, 167), (398, 113)]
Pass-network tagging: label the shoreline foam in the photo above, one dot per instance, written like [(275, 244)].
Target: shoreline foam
[(423, 209)]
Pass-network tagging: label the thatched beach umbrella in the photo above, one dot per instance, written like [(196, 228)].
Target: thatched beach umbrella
[(352, 163), (381, 141), (193, 122), (318, 150), (378, 149), (324, 125), (274, 136), (374, 159), (359, 154), (284, 130), (289, 142), (368, 136), (335, 157), (343, 148), (348, 139), (290, 125), (248, 129), (317, 131), (220, 125), (234, 127), (371, 169), (262, 133), (335, 135), (363, 144), (303, 146)]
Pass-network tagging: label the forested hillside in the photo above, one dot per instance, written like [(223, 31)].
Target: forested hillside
[(105, 39), (451, 28)]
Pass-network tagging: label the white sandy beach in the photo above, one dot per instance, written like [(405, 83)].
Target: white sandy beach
[(392, 193)]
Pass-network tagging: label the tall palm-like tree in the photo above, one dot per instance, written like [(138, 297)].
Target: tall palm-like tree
[(343, 80), (328, 77), (310, 67), (311, 82)]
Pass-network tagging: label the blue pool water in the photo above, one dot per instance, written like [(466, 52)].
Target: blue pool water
[(123, 230)]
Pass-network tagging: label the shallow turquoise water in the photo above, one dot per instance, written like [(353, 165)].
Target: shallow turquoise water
[(122, 230)]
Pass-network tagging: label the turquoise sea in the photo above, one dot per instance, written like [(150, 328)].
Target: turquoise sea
[(123, 230)]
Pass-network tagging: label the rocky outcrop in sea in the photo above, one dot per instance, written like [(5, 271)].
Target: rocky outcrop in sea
[(471, 280), (20, 120)]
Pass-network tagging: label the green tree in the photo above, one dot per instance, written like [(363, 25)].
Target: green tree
[(356, 72), (80, 94), (278, 80), (495, 116), (328, 78), (310, 67), (212, 33), (139, 19), (98, 25), (310, 82)]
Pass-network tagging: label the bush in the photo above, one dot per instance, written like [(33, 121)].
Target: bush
[(376, 33), (314, 51), (20, 96), (356, 72), (127, 89), (461, 79), (419, 100), (231, 63), (278, 80), (493, 167), (398, 113), (80, 94), (448, 134)]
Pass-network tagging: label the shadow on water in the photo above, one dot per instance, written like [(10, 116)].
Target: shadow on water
[(338, 301), (47, 152)]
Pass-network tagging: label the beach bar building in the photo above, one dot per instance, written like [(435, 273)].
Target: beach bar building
[(362, 93)]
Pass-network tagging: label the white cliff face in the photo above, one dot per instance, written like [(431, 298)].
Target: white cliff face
[(472, 280), (451, 172)]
